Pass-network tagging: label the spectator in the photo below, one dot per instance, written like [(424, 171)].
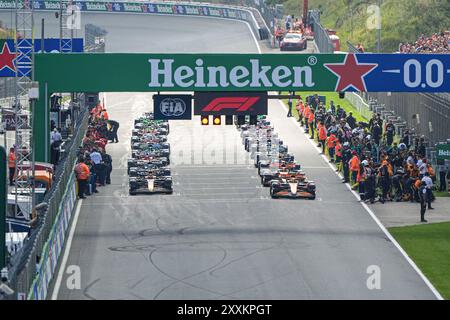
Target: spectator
[(360, 48), (436, 43)]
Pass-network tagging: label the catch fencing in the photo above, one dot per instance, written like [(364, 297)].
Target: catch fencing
[(321, 36)]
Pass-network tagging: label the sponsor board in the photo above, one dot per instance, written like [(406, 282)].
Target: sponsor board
[(443, 151), (9, 120), (245, 72), (172, 107), (8, 56), (230, 103)]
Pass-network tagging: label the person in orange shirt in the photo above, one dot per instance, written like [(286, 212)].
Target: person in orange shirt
[(338, 150), (305, 116), (105, 115), (311, 118), (354, 166), (300, 106), (82, 173), (384, 178), (331, 144), (322, 136), (11, 165)]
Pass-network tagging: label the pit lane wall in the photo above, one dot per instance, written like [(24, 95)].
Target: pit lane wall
[(154, 7)]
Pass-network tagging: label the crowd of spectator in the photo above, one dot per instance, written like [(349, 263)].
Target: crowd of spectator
[(370, 155), (94, 165), (436, 43)]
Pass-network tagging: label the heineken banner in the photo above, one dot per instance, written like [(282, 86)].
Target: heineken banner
[(443, 151), (245, 72), (141, 7)]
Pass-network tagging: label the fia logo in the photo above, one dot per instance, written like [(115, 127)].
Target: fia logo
[(172, 107)]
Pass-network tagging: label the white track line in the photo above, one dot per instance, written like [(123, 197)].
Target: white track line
[(374, 217), (67, 248)]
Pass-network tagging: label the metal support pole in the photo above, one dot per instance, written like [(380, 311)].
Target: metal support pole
[(379, 29), (305, 12), (3, 201), (42, 35)]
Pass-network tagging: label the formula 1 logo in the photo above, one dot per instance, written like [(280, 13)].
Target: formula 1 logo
[(230, 103), (240, 104)]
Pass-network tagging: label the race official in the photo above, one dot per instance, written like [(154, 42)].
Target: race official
[(428, 188), (423, 200), (354, 164), (82, 173), (99, 167)]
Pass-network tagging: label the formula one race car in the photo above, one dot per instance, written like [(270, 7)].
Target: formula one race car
[(148, 167), (149, 171), (269, 174), (276, 167), (292, 188), (150, 184), (147, 163)]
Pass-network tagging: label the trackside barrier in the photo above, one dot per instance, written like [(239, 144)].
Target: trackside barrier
[(55, 244), (164, 8), (32, 267), (321, 37), (358, 102)]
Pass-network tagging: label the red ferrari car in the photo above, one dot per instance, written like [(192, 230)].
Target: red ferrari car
[(293, 41)]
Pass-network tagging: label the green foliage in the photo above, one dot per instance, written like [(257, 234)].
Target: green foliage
[(401, 20)]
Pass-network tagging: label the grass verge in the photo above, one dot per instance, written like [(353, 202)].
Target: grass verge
[(428, 245), (344, 103)]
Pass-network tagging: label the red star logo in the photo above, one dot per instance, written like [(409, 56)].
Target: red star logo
[(351, 73), (7, 58)]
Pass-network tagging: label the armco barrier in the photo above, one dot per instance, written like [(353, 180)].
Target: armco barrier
[(164, 8)]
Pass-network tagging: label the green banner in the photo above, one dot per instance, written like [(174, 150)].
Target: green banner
[(186, 72), (443, 151)]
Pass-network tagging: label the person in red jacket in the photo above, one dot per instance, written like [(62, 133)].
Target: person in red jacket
[(11, 165)]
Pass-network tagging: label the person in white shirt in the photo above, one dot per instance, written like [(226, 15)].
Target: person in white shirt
[(429, 187), (55, 136), (55, 143), (96, 157), (423, 168), (99, 167)]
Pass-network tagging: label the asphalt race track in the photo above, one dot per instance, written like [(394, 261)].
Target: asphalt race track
[(220, 236)]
